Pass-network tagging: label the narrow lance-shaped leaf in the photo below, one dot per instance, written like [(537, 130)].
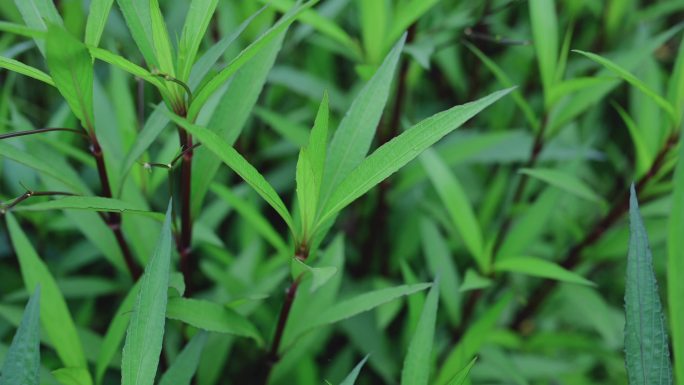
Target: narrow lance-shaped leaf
[(565, 181), (396, 153), (353, 137), (146, 329), (22, 361), (675, 264), (633, 80), (71, 68), (139, 20), (26, 70), (97, 19), (184, 367), (461, 377), (237, 163), (417, 364), (203, 94), (54, 313), (647, 355), (453, 197), (354, 374), (72, 376), (160, 39), (36, 15), (545, 34), (538, 267), (196, 23)]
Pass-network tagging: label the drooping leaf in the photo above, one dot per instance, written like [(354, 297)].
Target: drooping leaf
[(71, 68), (319, 275), (644, 157), (97, 19), (353, 137), (88, 203), (237, 163), (185, 365), (24, 69), (146, 329), (54, 313), (22, 360), (396, 153), (126, 65), (454, 198), (633, 80), (538, 267), (675, 264), (211, 317), (647, 355), (418, 360), (564, 181), (196, 23), (354, 374)]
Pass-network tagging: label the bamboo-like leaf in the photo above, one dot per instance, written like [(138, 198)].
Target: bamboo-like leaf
[(373, 16), (203, 94), (676, 92), (647, 355), (71, 68), (211, 317), (461, 377), (237, 163), (22, 361), (26, 70), (354, 374), (97, 19), (73, 376), (54, 313), (115, 333), (453, 197), (633, 80), (138, 16), (564, 181), (406, 13), (441, 264), (538, 267), (545, 35), (644, 156), (89, 203), (146, 329), (675, 264), (196, 23), (472, 340), (396, 153), (364, 302), (184, 367), (37, 14), (353, 137), (160, 39), (253, 216), (418, 361), (126, 65)]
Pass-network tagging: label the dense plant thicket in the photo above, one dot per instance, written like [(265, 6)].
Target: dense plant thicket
[(274, 192)]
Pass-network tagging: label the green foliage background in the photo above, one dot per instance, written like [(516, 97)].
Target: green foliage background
[(355, 236)]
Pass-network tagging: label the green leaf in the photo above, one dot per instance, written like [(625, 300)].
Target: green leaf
[(396, 153), (364, 302), (71, 68), (373, 16), (160, 39), (441, 264), (211, 317), (237, 163), (310, 169), (115, 333), (203, 94), (146, 329), (259, 223), (472, 340), (37, 14), (73, 376), (54, 313), (320, 275), (354, 374), (407, 13), (538, 267), (644, 156), (564, 181), (126, 65), (454, 198), (22, 360), (139, 20), (154, 125), (88, 203), (185, 365), (647, 355), (675, 265), (418, 361), (97, 19), (633, 80), (196, 23), (474, 281), (461, 377), (545, 35), (21, 68), (676, 89), (353, 137)]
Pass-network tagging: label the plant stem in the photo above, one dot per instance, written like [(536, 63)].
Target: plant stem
[(28, 194), (39, 131), (184, 244), (113, 219), (574, 255)]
